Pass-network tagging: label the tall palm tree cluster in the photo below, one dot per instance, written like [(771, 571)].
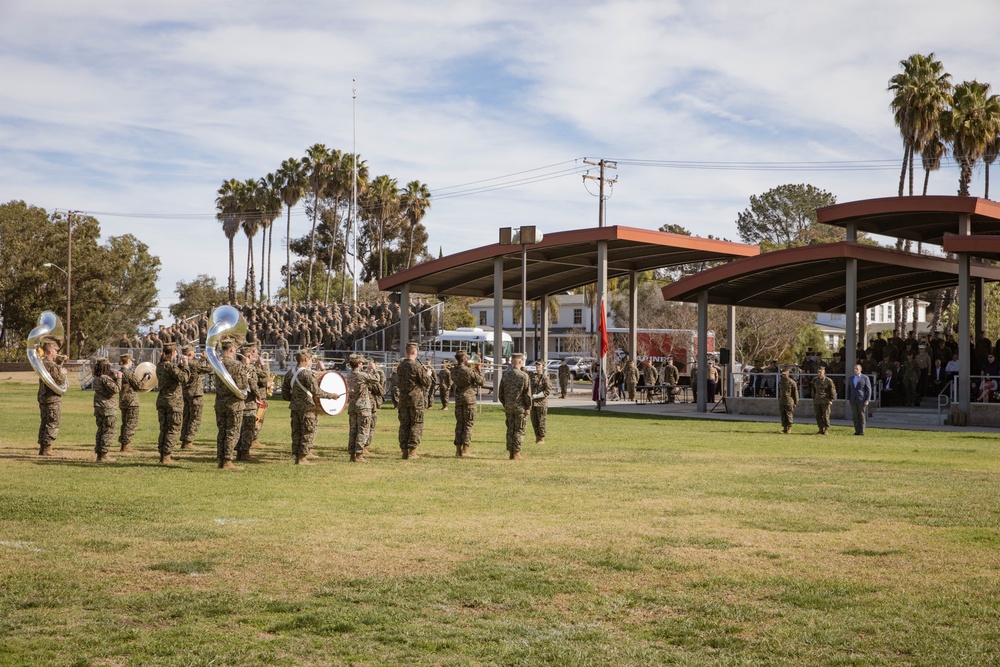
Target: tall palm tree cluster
[(932, 114), (387, 227)]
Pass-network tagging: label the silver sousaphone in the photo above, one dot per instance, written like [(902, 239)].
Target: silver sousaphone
[(50, 328), (226, 321)]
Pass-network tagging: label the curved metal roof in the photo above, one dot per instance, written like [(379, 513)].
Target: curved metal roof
[(813, 278), (561, 262), (923, 219), (985, 246)]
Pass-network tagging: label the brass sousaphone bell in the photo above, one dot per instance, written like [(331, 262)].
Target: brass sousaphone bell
[(226, 321), (50, 328)]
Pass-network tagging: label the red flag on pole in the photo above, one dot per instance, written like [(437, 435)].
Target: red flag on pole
[(603, 329)]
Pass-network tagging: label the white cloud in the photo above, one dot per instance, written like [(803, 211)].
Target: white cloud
[(145, 108)]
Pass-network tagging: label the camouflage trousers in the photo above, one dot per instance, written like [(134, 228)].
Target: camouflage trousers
[(411, 425), (822, 410), (170, 428), (248, 431), (465, 419), (360, 424), (303, 431), (192, 417), (630, 388), (51, 413), (228, 422), (130, 422), (538, 417), (516, 423), (563, 387), (107, 424), (443, 393), (371, 430), (787, 411)]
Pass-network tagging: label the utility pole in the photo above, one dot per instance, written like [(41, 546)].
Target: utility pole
[(603, 164), (69, 285)]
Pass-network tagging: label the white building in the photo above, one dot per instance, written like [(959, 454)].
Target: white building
[(877, 318), (571, 333)]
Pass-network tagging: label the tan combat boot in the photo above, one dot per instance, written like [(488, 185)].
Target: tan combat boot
[(104, 458), (302, 460), (127, 449), (516, 456), (412, 453), (187, 445), (167, 460), (465, 451)]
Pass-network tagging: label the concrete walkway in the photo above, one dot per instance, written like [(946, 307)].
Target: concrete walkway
[(883, 419)]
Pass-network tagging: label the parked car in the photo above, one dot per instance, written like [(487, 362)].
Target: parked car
[(580, 368)]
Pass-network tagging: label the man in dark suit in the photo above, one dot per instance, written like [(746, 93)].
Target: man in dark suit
[(888, 388), (859, 394)]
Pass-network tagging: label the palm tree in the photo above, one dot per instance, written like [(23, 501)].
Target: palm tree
[(382, 205), (227, 206), (361, 169), (292, 177), (414, 201), (317, 164), (920, 95), (931, 155), (338, 189), (971, 124), (251, 217), (269, 194), (992, 149)]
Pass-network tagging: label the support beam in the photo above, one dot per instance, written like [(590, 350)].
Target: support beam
[(850, 325), (964, 355), (980, 307), (702, 388), (543, 312), (497, 325), (731, 344), (633, 314), (404, 318)]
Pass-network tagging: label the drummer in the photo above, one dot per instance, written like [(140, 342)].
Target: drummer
[(300, 388)]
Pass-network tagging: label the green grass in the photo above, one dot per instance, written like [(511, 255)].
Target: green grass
[(624, 540)]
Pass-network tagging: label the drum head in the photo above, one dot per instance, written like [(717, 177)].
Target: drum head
[(332, 382), (146, 374)]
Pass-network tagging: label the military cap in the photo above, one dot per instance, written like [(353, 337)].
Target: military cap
[(170, 347), (248, 347), (122, 358), (539, 363), (461, 355), (187, 349), (411, 346)]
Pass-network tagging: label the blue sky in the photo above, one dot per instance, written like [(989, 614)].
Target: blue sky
[(139, 111)]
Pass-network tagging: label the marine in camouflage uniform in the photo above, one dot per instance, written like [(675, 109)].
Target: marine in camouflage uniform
[(515, 395), (378, 397), (788, 398), (540, 384), (467, 380), (671, 378), (359, 406), (194, 396), (257, 377), (412, 382), (444, 384), (631, 379), (911, 379), (299, 387), (170, 402), (107, 384), (824, 393), (564, 378), (229, 407), (49, 402), (128, 403)]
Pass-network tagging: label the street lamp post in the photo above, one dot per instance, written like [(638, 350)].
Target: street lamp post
[(524, 236), (68, 302)]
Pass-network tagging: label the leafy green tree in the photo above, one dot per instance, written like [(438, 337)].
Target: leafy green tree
[(197, 296), (785, 217), (971, 124), (318, 163), (458, 313), (114, 284), (921, 93)]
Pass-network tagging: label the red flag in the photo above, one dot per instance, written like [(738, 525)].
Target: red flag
[(603, 329)]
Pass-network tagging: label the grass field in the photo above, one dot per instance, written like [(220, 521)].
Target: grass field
[(621, 541)]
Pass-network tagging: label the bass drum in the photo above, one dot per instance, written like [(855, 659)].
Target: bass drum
[(332, 382), (146, 374)]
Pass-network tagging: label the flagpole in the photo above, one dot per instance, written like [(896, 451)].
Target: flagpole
[(354, 192)]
